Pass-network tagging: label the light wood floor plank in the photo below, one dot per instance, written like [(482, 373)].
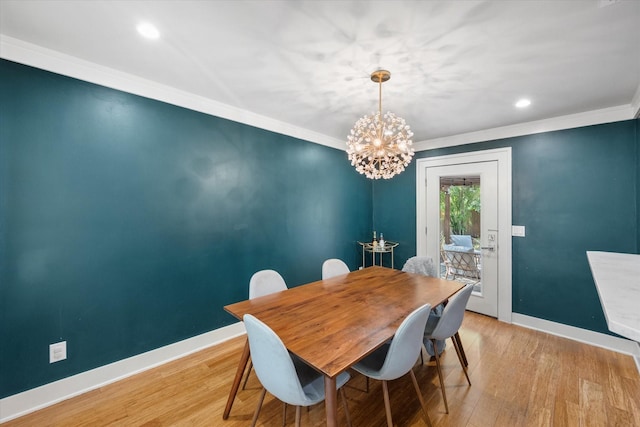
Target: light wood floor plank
[(519, 377)]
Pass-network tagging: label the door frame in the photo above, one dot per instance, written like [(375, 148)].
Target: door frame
[(503, 157)]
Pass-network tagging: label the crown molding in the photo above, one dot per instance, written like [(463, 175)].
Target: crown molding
[(33, 55), (37, 56), (595, 117), (635, 104)]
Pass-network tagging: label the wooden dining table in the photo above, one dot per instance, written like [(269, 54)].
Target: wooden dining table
[(331, 324)]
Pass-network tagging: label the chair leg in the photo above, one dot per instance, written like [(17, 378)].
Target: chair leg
[(459, 341), (419, 393), (344, 404), (298, 416), (257, 412), (284, 414), (246, 378), (444, 394), (456, 345), (387, 404)]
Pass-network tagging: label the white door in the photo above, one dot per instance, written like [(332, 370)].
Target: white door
[(492, 292), (484, 298)]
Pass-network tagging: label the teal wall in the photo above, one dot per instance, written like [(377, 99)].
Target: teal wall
[(638, 180), (575, 190), (127, 224)]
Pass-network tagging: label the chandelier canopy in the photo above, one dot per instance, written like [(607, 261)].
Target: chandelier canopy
[(380, 146)]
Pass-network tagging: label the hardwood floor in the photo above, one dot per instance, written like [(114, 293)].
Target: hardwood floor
[(519, 377)]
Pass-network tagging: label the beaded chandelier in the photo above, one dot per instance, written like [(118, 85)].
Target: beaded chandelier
[(380, 146)]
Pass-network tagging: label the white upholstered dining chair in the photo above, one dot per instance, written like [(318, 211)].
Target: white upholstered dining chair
[(424, 265), (283, 374), (397, 357), (334, 267), (421, 265), (263, 282), (447, 327)]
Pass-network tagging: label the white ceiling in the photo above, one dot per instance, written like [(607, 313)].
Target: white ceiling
[(456, 66)]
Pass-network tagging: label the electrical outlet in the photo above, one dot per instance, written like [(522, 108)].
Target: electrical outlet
[(57, 351)]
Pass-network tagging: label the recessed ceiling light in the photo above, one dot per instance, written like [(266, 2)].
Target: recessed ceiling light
[(523, 103), (148, 30)]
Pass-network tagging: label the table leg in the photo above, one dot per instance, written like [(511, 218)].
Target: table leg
[(331, 401), (236, 381)]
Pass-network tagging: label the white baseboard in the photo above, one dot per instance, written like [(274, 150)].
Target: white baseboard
[(620, 345), (40, 397), (32, 400)]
